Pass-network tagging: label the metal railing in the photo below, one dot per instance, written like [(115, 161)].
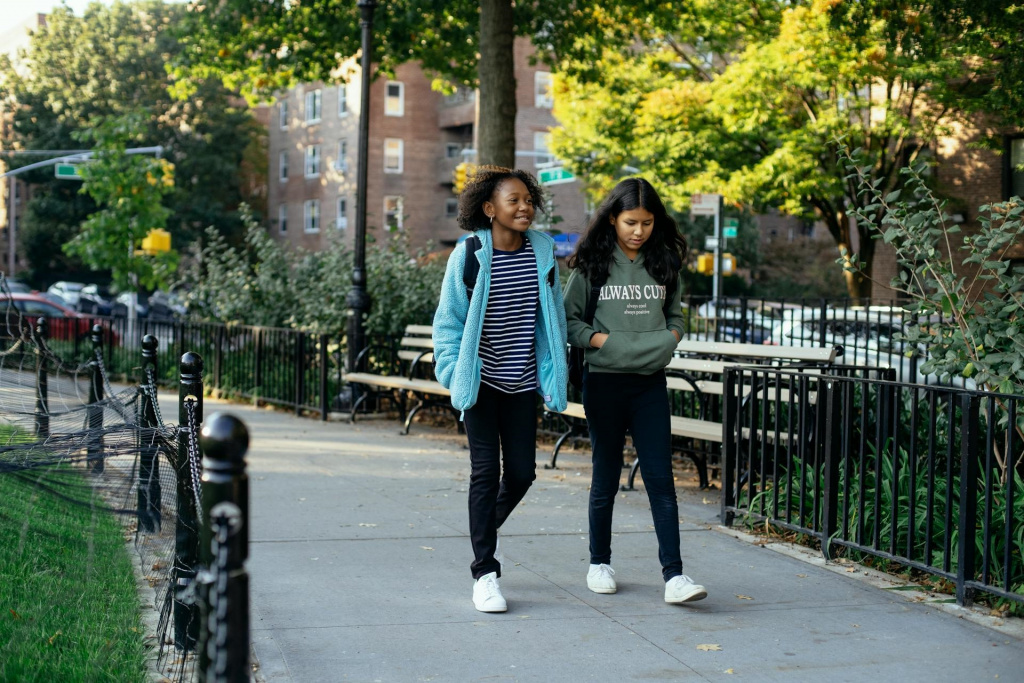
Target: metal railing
[(927, 477)]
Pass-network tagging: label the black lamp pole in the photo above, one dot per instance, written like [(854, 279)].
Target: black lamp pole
[(358, 301)]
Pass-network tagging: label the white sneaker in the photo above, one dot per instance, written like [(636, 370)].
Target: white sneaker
[(487, 595), (683, 589), (600, 579)]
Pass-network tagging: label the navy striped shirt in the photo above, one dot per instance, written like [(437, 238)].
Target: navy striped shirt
[(507, 342)]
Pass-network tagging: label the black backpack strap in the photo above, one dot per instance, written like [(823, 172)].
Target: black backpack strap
[(471, 267)]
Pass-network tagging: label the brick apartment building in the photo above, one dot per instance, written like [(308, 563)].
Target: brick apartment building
[(417, 137)]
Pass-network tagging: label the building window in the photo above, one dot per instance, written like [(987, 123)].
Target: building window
[(311, 215), (543, 97), (541, 142), (393, 213), (452, 150), (343, 99), (282, 115), (313, 161), (282, 218), (451, 207), (314, 100), (393, 155), (341, 221), (394, 100), (341, 163), (1015, 173), (282, 166)]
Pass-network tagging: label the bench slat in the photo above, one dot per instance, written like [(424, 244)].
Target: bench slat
[(419, 329), (766, 351), (418, 342), (394, 382)]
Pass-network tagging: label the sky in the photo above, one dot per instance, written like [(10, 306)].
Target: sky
[(14, 12)]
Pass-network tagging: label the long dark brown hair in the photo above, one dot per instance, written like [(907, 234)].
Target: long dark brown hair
[(664, 252)]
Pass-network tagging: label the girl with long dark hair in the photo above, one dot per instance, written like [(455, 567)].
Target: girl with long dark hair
[(630, 259)]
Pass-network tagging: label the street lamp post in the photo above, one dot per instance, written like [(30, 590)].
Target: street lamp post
[(358, 301)]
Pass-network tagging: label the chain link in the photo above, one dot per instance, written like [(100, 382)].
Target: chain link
[(149, 388), (225, 519), (192, 447)]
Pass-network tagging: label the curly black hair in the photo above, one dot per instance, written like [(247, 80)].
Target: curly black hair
[(664, 252), (481, 188)]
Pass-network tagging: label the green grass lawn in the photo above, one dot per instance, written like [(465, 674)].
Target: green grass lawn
[(69, 610)]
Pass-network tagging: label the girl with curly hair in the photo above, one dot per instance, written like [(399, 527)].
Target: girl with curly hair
[(628, 264), (498, 341)]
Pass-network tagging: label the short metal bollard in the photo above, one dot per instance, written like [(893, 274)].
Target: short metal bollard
[(94, 412), (42, 381), (224, 546), (189, 508), (149, 490)]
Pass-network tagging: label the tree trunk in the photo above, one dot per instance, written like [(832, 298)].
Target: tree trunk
[(496, 139), (858, 284)]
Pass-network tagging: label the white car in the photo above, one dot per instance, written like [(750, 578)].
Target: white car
[(69, 291)]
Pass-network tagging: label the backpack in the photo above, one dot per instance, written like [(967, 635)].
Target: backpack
[(471, 267)]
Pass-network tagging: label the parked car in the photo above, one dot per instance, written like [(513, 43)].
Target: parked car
[(65, 323), (95, 300), (69, 291), (166, 306), (123, 303), (54, 298), (17, 286)]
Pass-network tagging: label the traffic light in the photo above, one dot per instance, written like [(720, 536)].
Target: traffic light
[(706, 264), (463, 174), (728, 264), (156, 241)]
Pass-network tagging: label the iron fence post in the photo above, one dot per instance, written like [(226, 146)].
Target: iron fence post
[(822, 327), (324, 385), (186, 540), (729, 446), (224, 636), (94, 412), (832, 462), (300, 371), (149, 490), (743, 320), (42, 382), (258, 370), (966, 545), (218, 358)]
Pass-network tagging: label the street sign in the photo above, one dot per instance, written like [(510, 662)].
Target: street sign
[(704, 204), (729, 231), (710, 243), (555, 175), (66, 172)]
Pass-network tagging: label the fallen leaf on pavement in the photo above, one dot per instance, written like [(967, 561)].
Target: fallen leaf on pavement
[(426, 547), (744, 597), (706, 647), (801, 576), (368, 525), (729, 671)]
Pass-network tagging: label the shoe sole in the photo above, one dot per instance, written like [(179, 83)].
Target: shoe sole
[(491, 611), (603, 591), (692, 597)]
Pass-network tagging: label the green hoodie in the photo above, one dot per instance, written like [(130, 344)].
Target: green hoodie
[(633, 311)]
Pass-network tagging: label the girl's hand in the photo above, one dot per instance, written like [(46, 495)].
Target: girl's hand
[(598, 339), (676, 335)]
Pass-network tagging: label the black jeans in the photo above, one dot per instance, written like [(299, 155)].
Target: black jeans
[(617, 403), (502, 430)]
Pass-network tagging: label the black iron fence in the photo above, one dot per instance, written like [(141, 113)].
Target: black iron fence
[(927, 477)]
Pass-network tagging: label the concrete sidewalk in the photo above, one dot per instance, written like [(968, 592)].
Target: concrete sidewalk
[(360, 572)]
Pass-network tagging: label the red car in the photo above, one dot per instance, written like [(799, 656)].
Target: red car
[(65, 323)]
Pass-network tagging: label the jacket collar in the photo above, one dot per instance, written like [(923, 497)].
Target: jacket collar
[(620, 257)]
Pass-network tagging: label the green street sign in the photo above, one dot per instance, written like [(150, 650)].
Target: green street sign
[(730, 227), (555, 176), (66, 172), (729, 232)]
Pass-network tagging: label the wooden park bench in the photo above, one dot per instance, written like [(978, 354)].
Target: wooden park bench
[(410, 374), (699, 369)]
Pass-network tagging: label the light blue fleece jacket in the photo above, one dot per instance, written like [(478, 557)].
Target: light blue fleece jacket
[(459, 322)]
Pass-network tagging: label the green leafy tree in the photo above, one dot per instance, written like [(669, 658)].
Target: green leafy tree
[(108, 63), (129, 191), (749, 99)]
